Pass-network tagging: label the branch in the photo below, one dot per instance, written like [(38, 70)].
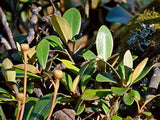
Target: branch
[(5, 43), (7, 29), (153, 86), (33, 21)]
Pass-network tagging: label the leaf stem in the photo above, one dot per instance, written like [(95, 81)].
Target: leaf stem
[(54, 98)]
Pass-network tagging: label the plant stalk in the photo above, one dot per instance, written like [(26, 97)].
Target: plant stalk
[(54, 98), (25, 84), (19, 110)]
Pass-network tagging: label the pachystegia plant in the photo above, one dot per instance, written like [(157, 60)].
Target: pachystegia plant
[(65, 49)]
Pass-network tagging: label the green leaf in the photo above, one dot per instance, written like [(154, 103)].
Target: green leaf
[(2, 115), (30, 87), (139, 69), (114, 117), (118, 90), (54, 42), (87, 75), (105, 107), (128, 98), (6, 97), (143, 74), (20, 74), (42, 108), (79, 76), (3, 91), (26, 1), (127, 59), (31, 101), (80, 109), (128, 65), (138, 96), (147, 113), (67, 81), (101, 65), (105, 77), (70, 65), (73, 17), (93, 94), (89, 55), (8, 71), (42, 52), (62, 27), (104, 43)]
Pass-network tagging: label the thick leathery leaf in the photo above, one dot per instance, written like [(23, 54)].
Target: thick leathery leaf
[(62, 27), (104, 42), (129, 97), (93, 94), (7, 70), (42, 52), (73, 17), (118, 90)]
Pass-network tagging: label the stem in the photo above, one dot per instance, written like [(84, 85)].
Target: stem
[(19, 109), (25, 84), (54, 98)]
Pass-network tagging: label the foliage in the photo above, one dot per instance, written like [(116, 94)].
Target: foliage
[(94, 81)]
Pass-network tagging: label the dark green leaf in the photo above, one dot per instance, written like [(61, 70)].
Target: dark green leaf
[(42, 52), (93, 94), (118, 90), (87, 75), (3, 91), (128, 98), (105, 77), (31, 101), (54, 42), (67, 81), (20, 74), (73, 17), (105, 107), (104, 43), (42, 108)]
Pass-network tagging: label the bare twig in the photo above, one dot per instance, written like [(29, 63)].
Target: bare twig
[(7, 29), (33, 21), (153, 86), (5, 43), (56, 11)]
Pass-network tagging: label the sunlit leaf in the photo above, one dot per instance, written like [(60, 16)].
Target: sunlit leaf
[(139, 69), (30, 68), (127, 59), (42, 52), (145, 71), (8, 71), (73, 17), (93, 94), (89, 55), (62, 27), (114, 117), (70, 65), (54, 42), (147, 113), (118, 90), (105, 77), (104, 43), (129, 97)]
